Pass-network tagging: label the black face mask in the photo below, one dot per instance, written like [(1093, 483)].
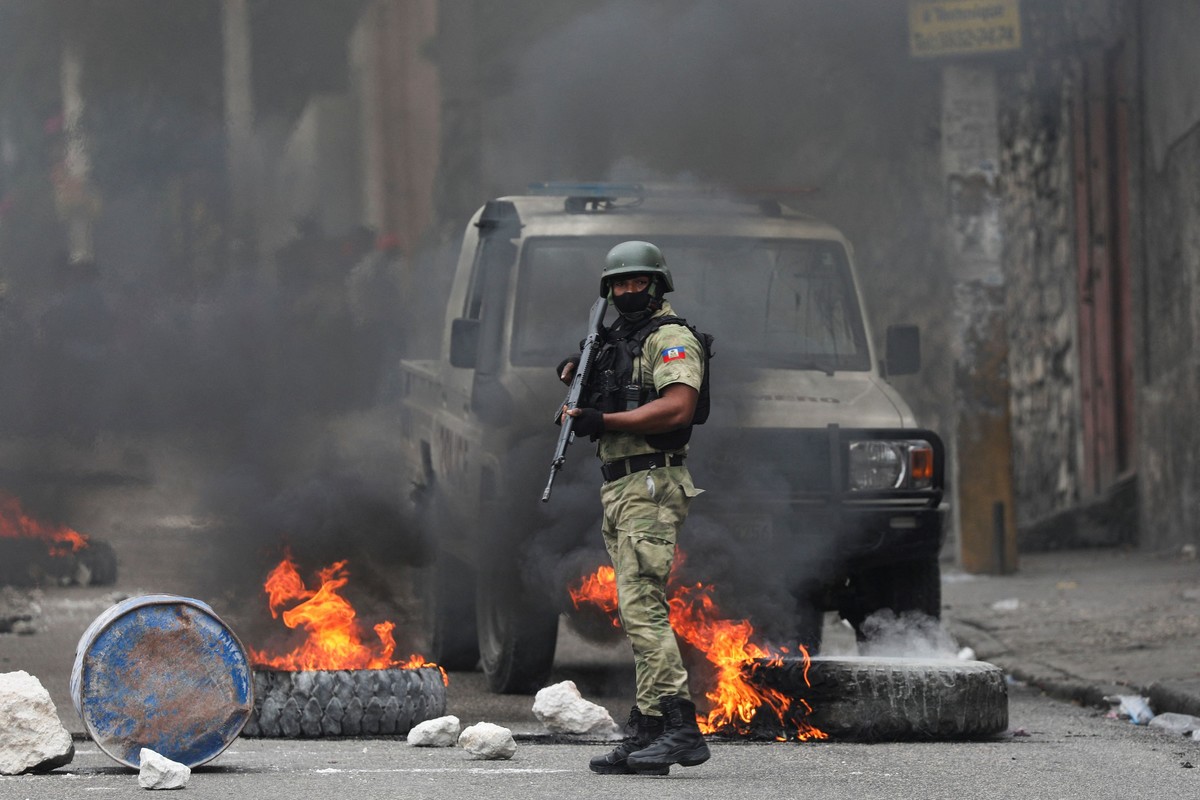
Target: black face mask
[(633, 304)]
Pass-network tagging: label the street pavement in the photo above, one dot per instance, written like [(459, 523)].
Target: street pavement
[(1079, 625), (1085, 624)]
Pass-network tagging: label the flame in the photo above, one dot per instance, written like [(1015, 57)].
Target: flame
[(726, 644), (333, 640), (599, 589), (15, 523)]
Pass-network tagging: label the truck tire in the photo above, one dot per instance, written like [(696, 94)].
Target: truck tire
[(450, 614), (903, 587), (517, 634), (868, 699), (364, 702)]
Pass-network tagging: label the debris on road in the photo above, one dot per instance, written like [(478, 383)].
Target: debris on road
[(485, 741), (32, 738), (562, 709), (1133, 707), (1007, 604), (18, 610), (161, 672), (864, 698), (360, 702), (1179, 724), (440, 732), (159, 772)]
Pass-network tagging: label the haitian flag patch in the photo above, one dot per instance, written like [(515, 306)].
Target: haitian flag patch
[(673, 354)]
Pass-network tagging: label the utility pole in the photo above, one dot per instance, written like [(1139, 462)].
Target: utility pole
[(75, 196), (983, 439)]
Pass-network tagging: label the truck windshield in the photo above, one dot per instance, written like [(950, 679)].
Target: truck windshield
[(777, 303)]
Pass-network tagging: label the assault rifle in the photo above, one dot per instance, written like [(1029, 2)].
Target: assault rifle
[(591, 346)]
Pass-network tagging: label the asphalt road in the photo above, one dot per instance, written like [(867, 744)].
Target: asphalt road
[(1068, 752)]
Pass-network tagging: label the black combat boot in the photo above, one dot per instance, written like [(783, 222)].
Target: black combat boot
[(680, 743), (642, 730)]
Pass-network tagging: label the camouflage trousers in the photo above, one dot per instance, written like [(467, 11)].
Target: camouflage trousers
[(643, 513)]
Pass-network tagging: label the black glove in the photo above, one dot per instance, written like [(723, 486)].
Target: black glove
[(590, 422), (563, 365)]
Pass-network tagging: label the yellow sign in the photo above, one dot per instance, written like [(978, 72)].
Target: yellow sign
[(956, 27)]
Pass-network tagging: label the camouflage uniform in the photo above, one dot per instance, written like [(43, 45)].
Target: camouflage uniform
[(643, 512)]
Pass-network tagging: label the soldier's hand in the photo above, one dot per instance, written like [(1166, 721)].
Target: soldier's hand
[(566, 368), (588, 421)]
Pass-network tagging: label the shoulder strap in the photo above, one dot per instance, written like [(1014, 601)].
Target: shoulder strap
[(639, 336)]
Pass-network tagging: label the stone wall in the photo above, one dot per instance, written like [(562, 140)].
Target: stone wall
[(1169, 435), (1040, 263), (1040, 274)]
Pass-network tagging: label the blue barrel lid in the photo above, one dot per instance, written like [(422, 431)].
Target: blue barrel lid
[(163, 672)]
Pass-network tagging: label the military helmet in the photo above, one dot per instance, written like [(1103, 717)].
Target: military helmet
[(636, 258)]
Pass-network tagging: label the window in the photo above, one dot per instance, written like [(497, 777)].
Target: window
[(781, 303)]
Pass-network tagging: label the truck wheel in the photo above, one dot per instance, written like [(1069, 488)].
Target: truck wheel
[(870, 699), (905, 586), (517, 635), (450, 614)]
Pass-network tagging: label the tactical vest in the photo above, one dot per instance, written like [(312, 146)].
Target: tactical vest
[(613, 386)]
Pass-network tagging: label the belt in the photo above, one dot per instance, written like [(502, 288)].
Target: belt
[(613, 470)]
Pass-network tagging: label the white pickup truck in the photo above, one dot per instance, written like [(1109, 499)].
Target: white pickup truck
[(815, 467)]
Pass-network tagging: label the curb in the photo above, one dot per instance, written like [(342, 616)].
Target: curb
[(1163, 697)]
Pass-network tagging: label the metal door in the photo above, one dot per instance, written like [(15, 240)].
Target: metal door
[(1102, 250)]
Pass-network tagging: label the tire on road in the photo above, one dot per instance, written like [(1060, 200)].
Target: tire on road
[(869, 699), (320, 703)]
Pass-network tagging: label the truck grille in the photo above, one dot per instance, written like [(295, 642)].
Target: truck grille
[(786, 463)]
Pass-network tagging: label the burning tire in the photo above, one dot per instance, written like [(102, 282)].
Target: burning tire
[(890, 699), (366, 702)]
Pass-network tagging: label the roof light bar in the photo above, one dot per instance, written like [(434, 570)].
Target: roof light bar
[(603, 190), (598, 190)]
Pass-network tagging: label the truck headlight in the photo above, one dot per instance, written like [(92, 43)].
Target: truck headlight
[(889, 464)]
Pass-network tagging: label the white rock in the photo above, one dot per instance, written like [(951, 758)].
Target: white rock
[(966, 654), (1007, 604), (159, 772), (32, 738), (440, 732), (563, 710), (1180, 724), (484, 741)]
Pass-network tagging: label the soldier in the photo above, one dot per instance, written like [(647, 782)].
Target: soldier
[(645, 385)]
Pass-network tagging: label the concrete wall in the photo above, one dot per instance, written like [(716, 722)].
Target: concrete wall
[(1169, 368), (1040, 259), (1041, 302)]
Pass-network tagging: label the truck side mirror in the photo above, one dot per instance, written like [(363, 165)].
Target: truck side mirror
[(464, 343), (903, 350)]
